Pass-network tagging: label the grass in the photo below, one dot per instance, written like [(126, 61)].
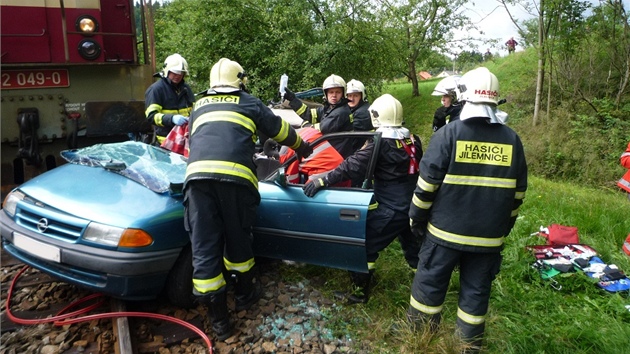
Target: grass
[(526, 314)]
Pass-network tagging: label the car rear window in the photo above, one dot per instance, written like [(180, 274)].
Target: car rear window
[(151, 166)]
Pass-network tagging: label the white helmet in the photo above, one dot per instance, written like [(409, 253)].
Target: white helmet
[(447, 86), (479, 86), (356, 86), (175, 63), (386, 111), (227, 74), (334, 81)]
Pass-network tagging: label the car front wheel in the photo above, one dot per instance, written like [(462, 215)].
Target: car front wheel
[(178, 287)]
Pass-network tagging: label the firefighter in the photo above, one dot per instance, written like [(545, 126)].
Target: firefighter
[(395, 175), (450, 108), (169, 100), (221, 189), (473, 178), (358, 102), (361, 120), (334, 116)]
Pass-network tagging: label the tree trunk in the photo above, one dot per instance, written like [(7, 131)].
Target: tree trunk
[(541, 63), (413, 76)]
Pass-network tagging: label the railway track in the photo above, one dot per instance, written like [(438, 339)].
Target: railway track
[(293, 316), (37, 297)]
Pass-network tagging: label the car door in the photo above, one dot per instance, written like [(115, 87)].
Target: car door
[(326, 230)]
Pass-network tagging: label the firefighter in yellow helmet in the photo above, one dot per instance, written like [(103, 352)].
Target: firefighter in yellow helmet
[(395, 176), (334, 116), (473, 178), (169, 100), (221, 188)]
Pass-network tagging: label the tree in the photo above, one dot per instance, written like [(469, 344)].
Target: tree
[(417, 27), (306, 39), (468, 59)]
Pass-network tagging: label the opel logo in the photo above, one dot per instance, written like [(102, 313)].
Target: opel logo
[(42, 225)]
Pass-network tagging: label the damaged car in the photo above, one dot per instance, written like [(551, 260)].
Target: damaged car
[(111, 220)]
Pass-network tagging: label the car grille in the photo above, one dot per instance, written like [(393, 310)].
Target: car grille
[(55, 228)]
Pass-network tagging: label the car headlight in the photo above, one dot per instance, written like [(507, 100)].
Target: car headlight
[(10, 202), (116, 236)]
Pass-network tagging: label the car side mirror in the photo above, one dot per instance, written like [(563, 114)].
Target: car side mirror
[(280, 178)]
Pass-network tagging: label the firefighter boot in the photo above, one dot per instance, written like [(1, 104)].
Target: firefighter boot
[(247, 290), (418, 320), (361, 287), (218, 313)]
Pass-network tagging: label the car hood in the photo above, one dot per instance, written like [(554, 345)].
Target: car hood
[(105, 195)]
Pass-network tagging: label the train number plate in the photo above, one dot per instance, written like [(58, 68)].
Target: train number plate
[(43, 78), (36, 248)]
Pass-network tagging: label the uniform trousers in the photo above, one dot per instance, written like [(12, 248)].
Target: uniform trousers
[(431, 282), (219, 217)]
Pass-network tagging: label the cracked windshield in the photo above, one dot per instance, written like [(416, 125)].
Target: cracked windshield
[(151, 166)]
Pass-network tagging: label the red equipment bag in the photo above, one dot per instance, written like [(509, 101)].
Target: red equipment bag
[(177, 140), (626, 245), (557, 234)]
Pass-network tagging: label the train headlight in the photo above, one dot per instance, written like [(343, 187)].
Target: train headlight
[(89, 49), (86, 24)]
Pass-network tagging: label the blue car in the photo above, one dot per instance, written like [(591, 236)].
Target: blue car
[(111, 220)]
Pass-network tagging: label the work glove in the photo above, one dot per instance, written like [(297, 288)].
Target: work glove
[(179, 119), (288, 94), (313, 186), (305, 150), (270, 148), (418, 230)]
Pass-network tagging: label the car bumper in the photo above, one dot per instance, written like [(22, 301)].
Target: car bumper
[(125, 275)]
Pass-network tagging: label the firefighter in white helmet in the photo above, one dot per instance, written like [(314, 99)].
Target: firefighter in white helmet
[(358, 102), (221, 188), (450, 108), (334, 116), (473, 178), (169, 100), (395, 176)]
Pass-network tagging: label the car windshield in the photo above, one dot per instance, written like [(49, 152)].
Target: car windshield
[(151, 166)]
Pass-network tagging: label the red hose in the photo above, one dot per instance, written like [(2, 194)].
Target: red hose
[(63, 319)]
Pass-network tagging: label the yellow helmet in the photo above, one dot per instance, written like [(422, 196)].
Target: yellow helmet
[(175, 63), (355, 86), (334, 81), (479, 86), (227, 74), (386, 111)]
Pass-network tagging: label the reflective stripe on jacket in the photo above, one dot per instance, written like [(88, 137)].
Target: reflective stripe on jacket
[(223, 134), (473, 179), (162, 100)]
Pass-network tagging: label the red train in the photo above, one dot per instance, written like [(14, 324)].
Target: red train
[(73, 73)]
